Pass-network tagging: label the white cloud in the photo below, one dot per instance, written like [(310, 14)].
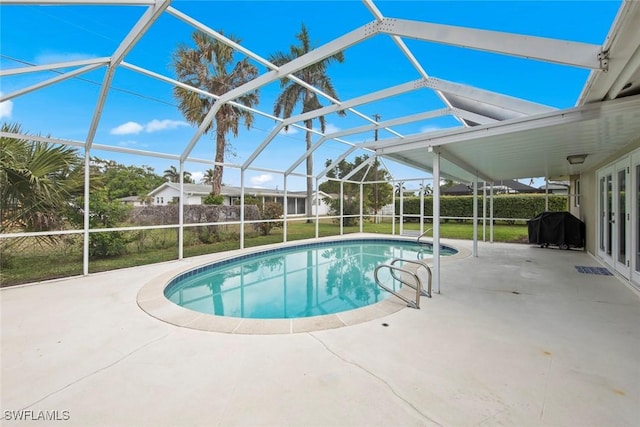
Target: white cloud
[(154, 125), (55, 57), (261, 179), (6, 108), (328, 128), (425, 129), (291, 131), (127, 129), (197, 176)]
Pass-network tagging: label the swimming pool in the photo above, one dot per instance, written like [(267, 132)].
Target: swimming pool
[(298, 281)]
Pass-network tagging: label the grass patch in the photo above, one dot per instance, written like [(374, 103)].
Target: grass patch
[(31, 262)]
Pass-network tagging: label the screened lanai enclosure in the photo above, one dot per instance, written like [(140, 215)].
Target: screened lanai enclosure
[(288, 97)]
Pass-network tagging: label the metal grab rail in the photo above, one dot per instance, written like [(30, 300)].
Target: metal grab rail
[(418, 287), (426, 293), (422, 235)]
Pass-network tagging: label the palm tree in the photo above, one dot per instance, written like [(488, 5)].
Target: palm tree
[(400, 188), (293, 94), (172, 175), (37, 182), (208, 176), (208, 67)]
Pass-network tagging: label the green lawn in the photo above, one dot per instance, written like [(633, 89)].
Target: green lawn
[(33, 262)]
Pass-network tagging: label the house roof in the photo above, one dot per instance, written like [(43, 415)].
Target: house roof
[(513, 185), (510, 184), (457, 190), (230, 191)]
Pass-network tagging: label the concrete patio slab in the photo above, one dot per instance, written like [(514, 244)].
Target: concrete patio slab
[(516, 337)]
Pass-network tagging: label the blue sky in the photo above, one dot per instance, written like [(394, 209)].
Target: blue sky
[(141, 113)]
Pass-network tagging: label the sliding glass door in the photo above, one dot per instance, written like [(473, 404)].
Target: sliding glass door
[(618, 223)]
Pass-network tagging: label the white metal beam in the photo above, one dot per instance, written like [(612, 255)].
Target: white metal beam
[(361, 129), (393, 122), (452, 158), (571, 115), (336, 161), (82, 2), (174, 82), (365, 99), (49, 82), (487, 97), (317, 55), (358, 168), (48, 67), (409, 55), (576, 54), (366, 128), (477, 118), (144, 23), (263, 145), (207, 30)]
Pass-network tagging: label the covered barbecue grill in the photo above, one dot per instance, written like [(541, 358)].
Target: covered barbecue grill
[(556, 228)]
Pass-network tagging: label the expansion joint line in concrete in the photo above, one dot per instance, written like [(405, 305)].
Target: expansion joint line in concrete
[(546, 388), (382, 380), (97, 370)]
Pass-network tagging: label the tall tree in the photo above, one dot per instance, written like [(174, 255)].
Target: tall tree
[(208, 176), (293, 94), (172, 175), (372, 200), (208, 66), (121, 181)]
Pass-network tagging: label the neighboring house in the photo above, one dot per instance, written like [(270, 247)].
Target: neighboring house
[(556, 187), (169, 192), (457, 190), (132, 201)]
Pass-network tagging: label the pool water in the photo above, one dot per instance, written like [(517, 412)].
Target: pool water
[(300, 281)]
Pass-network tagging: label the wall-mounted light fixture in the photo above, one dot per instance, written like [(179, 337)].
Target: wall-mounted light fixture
[(576, 159)]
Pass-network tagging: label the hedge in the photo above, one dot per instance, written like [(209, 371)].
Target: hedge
[(504, 206)]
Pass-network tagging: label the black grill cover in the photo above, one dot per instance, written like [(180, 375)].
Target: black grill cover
[(556, 228)]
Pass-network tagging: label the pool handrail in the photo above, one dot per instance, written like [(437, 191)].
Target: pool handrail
[(418, 287), (424, 293), (423, 234)]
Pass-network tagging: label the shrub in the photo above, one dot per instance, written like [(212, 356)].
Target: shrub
[(504, 206), (213, 199), (271, 210)]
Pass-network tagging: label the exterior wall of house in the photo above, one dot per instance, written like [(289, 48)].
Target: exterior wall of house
[(164, 196), (590, 211), (193, 200)]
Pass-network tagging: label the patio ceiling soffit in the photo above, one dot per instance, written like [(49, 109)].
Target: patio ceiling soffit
[(557, 117)]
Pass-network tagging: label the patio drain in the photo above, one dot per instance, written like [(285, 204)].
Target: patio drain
[(593, 270)]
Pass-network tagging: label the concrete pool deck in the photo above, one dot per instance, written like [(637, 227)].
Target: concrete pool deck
[(517, 337)]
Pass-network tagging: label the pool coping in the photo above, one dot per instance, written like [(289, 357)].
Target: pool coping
[(151, 298)]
